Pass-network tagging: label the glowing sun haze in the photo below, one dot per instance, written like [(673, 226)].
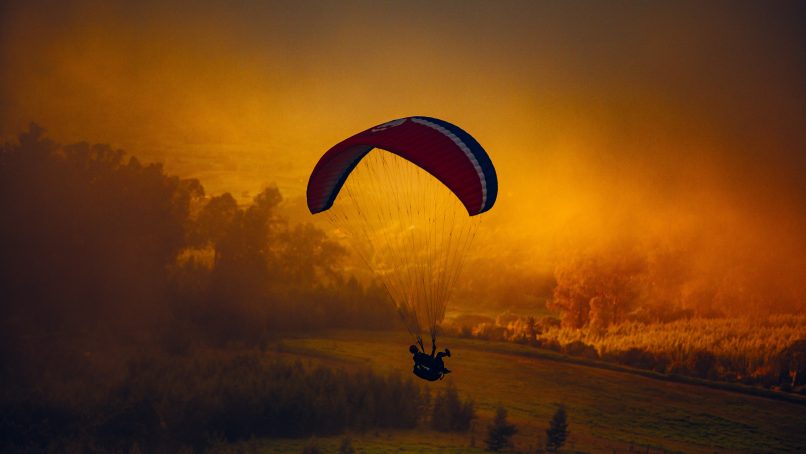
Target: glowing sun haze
[(607, 121)]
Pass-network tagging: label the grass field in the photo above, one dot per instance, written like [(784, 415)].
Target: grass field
[(608, 410)]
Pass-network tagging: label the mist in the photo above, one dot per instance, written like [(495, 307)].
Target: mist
[(164, 288), (650, 127)]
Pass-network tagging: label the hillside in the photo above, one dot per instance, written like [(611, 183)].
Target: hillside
[(608, 409)]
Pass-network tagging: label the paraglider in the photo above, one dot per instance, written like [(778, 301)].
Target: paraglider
[(429, 367), (409, 194)]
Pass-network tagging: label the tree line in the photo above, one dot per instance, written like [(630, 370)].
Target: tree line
[(663, 280), (119, 284), (167, 404), (97, 248), (766, 352)]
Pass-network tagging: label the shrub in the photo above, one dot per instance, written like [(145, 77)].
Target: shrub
[(702, 363), (792, 364), (550, 344), (581, 349), (636, 357), (450, 414), (499, 432), (169, 402)]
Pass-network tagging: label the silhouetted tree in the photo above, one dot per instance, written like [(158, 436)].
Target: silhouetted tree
[(792, 364), (557, 432), (532, 330), (306, 256), (97, 248), (449, 413), (596, 290), (499, 432), (88, 239), (215, 222)]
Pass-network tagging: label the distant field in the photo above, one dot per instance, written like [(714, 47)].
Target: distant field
[(608, 410)]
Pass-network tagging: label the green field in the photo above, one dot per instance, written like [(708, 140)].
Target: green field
[(608, 410)]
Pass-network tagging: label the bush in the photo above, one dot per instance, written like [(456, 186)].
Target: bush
[(636, 357), (792, 364), (450, 414), (702, 363), (169, 402), (581, 349), (499, 432), (551, 344)]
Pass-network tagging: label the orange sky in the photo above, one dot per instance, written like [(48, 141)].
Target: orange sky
[(626, 119)]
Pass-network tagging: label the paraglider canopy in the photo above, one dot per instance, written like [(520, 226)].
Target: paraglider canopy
[(440, 148), (405, 207)]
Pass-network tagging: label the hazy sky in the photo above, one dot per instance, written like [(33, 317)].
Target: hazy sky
[(602, 118)]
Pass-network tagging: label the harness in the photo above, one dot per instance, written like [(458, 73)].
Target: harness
[(427, 373)]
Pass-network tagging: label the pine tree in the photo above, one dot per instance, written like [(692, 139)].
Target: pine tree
[(500, 431), (557, 432)]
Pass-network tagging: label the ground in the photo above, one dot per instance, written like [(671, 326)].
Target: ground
[(608, 410)]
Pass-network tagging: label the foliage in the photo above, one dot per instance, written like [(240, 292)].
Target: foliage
[(106, 254), (451, 414), (90, 238), (661, 278), (763, 351), (608, 405), (595, 290), (499, 432), (169, 402), (792, 364), (557, 432), (579, 348)]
